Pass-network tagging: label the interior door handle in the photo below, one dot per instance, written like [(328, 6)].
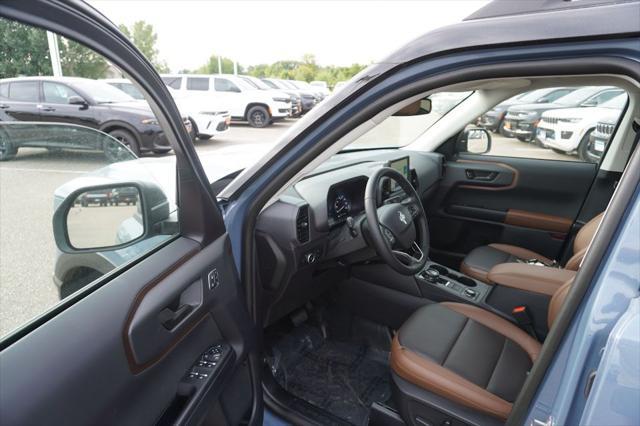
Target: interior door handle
[(171, 318), (481, 175)]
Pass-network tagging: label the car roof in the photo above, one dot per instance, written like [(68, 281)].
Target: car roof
[(46, 78), (484, 29), (500, 8)]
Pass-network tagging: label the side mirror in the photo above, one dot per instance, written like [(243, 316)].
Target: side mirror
[(474, 141), (589, 104), (108, 217), (77, 100)]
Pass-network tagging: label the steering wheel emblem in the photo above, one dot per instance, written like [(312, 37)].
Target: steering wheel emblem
[(402, 218)]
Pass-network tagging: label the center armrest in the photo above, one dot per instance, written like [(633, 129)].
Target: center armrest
[(533, 278)]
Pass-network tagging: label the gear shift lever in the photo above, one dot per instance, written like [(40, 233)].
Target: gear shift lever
[(431, 275)]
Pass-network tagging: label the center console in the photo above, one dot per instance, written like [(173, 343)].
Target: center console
[(442, 283)]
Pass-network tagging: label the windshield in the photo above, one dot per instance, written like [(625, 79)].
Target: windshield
[(531, 97), (577, 96), (616, 103), (287, 84), (243, 83), (270, 84), (398, 131), (256, 82), (102, 93)]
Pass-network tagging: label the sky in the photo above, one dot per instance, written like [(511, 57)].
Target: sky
[(256, 32)]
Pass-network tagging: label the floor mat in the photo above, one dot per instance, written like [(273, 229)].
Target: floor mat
[(342, 378)]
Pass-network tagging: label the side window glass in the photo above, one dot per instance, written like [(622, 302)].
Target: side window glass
[(57, 93), (75, 203), (573, 129), (197, 83), (224, 85), (24, 91), (173, 82)]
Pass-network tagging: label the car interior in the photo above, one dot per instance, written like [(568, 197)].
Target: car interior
[(417, 283)]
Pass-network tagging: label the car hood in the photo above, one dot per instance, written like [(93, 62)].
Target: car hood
[(161, 171), (585, 112), (132, 107), (534, 107)]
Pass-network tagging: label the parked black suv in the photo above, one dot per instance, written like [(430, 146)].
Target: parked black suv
[(79, 101)]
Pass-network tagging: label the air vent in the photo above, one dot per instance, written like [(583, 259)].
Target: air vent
[(302, 224)]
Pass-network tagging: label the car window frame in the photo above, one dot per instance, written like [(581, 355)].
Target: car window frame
[(44, 95), (194, 78), (229, 82), (38, 91)]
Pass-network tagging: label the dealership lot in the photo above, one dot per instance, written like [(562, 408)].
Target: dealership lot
[(28, 182)]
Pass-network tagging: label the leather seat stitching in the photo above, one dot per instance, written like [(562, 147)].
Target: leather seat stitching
[(455, 341), (495, 366)]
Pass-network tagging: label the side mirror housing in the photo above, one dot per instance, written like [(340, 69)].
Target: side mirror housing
[(77, 100), (109, 217), (474, 140)]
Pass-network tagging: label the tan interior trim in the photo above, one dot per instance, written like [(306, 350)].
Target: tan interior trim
[(574, 261), (476, 273), (431, 376), (557, 301), (586, 234), (532, 278), (521, 253), (543, 221), (513, 184), (499, 325), (128, 349)]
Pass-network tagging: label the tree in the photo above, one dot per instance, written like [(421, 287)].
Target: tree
[(144, 37), (24, 50), (211, 67), (306, 70), (77, 60)]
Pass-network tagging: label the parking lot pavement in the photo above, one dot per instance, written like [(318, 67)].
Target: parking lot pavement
[(27, 183)]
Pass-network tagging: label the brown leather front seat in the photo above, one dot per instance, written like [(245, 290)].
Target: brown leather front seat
[(480, 260), (467, 355)]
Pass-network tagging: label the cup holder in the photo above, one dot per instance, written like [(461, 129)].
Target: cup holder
[(466, 281)]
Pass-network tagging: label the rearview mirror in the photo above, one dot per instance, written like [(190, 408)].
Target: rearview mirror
[(108, 217), (419, 107), (474, 141)]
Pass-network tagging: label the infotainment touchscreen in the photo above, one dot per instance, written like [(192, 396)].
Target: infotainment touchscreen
[(400, 165)]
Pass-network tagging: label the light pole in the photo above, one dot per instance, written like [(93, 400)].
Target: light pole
[(54, 53)]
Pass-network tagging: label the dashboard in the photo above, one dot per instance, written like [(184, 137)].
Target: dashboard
[(345, 199), (305, 230)]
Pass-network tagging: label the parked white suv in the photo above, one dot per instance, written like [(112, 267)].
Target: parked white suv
[(208, 119), (245, 102), (567, 130)]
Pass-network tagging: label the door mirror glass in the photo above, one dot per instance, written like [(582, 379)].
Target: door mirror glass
[(474, 141), (104, 217), (76, 100)]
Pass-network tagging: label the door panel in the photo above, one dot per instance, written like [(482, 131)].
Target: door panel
[(527, 202), (81, 370)]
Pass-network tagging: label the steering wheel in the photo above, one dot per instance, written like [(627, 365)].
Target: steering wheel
[(393, 226)]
